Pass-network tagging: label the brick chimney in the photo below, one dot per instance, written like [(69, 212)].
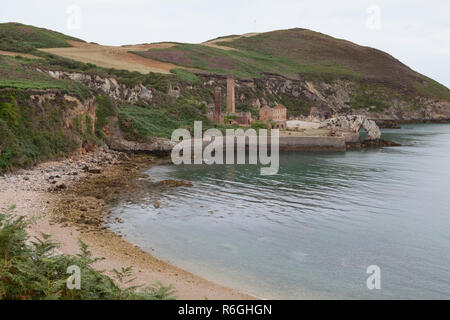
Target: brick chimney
[(218, 106), (231, 96)]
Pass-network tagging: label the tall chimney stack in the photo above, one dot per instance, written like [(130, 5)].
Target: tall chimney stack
[(218, 106), (231, 96)]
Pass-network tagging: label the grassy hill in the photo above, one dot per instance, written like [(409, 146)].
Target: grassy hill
[(16, 73), (22, 38), (300, 52)]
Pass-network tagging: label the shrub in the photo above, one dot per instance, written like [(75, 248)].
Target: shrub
[(186, 76), (259, 125), (31, 270), (105, 109), (28, 134), (140, 123)]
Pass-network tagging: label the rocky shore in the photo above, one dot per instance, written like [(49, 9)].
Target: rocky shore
[(69, 199)]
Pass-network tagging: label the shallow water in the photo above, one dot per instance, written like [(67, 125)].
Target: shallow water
[(311, 231)]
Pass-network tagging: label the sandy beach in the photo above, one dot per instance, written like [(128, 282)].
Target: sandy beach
[(68, 199)]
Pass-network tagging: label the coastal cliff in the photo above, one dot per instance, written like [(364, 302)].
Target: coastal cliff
[(51, 106)]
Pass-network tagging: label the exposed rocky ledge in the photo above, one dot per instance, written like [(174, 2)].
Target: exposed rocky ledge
[(117, 141), (353, 123), (138, 94)]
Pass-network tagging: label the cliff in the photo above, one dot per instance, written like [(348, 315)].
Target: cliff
[(51, 105)]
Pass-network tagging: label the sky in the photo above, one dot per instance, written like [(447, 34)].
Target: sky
[(417, 32)]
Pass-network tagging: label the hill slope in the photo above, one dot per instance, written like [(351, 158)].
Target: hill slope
[(300, 53), (22, 38)]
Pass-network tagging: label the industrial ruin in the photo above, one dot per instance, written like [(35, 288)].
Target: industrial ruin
[(274, 117)]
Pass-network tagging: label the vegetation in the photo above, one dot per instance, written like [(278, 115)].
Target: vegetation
[(31, 270), (105, 109), (186, 76), (371, 96), (140, 123), (17, 74), (300, 52), (29, 135), (241, 63), (242, 107), (22, 38), (433, 89), (260, 125)]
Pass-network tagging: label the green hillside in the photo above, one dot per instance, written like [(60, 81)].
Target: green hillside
[(17, 73), (302, 53), (22, 38)]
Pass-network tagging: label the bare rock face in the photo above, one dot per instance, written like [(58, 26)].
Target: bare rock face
[(354, 123), (107, 86)]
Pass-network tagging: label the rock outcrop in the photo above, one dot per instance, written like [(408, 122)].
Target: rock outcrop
[(117, 141), (321, 100), (138, 94), (353, 123)]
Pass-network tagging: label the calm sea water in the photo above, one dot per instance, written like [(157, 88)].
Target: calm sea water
[(311, 231)]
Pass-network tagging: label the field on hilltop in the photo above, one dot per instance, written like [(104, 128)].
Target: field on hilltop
[(35, 42), (114, 57)]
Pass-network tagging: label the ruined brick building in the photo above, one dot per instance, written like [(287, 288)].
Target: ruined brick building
[(278, 115)]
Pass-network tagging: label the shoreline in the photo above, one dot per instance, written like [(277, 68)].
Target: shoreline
[(69, 199)]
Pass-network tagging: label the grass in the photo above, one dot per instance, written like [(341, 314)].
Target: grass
[(370, 95), (242, 63), (31, 270), (29, 134), (140, 123), (305, 53), (186, 76), (15, 73), (105, 109), (431, 88), (23, 38)]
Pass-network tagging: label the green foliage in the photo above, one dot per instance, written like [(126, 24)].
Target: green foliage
[(241, 107), (370, 96), (105, 109), (186, 76), (430, 88), (22, 38), (14, 74), (31, 270), (51, 61), (259, 125), (141, 123), (90, 133), (300, 53), (78, 124), (244, 63), (29, 135)]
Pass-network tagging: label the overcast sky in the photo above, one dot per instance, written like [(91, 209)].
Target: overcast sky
[(416, 32)]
